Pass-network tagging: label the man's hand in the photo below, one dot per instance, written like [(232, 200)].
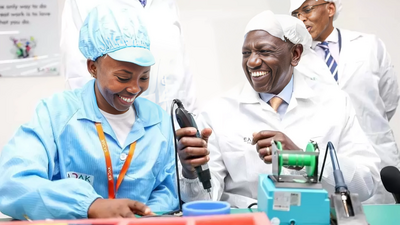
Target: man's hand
[(117, 208), (192, 151), (263, 141)]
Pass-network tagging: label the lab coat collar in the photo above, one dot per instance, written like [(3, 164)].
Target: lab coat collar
[(350, 35), (248, 94), (90, 110), (148, 117), (301, 90), (334, 37)]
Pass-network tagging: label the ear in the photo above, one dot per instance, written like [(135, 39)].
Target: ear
[(92, 68), (331, 9), (297, 50)]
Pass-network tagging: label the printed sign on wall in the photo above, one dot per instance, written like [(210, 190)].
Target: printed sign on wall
[(29, 38)]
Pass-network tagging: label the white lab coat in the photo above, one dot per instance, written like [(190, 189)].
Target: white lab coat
[(169, 77), (366, 74), (317, 111)]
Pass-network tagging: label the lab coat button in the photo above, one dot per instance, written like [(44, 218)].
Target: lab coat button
[(123, 156)]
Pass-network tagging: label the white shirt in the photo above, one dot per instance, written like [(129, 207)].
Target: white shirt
[(333, 44), (316, 112), (121, 123)]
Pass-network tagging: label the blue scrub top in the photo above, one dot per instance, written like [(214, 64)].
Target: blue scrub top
[(54, 166)]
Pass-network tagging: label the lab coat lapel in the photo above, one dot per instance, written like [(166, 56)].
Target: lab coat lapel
[(144, 119), (148, 4), (250, 96), (301, 90), (90, 110), (135, 134), (345, 56)]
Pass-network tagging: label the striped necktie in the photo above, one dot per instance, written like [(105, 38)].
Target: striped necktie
[(143, 2), (329, 60)]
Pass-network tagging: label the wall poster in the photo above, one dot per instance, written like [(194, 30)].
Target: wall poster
[(29, 38)]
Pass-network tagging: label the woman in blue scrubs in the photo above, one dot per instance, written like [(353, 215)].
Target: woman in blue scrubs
[(100, 151)]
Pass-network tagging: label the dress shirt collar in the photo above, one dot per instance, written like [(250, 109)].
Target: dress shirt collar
[(332, 38)]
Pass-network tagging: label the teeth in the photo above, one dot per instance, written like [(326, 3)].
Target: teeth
[(259, 73), (127, 99)]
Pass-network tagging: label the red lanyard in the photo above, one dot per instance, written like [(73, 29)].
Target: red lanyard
[(110, 175)]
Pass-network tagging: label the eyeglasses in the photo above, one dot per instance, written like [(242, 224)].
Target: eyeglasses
[(306, 10)]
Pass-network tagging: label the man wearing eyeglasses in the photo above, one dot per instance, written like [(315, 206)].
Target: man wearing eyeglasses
[(361, 66)]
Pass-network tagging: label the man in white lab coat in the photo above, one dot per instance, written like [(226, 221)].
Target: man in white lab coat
[(362, 68), (169, 77), (278, 102)]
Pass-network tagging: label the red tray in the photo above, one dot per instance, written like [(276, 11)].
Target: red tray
[(233, 219)]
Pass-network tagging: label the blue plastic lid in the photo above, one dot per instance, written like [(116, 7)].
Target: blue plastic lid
[(206, 208)]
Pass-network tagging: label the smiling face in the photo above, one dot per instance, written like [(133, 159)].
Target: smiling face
[(118, 83), (318, 18), (268, 61)]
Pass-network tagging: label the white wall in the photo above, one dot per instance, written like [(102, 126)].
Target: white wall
[(19, 96), (214, 34)]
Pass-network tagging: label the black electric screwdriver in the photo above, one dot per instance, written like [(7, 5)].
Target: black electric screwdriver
[(185, 119)]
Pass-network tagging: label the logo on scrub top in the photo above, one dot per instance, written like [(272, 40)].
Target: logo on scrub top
[(247, 140), (81, 176)]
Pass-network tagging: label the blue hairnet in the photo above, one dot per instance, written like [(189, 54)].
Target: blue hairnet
[(118, 32)]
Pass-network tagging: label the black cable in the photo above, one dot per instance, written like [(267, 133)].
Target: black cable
[(176, 159), (323, 164), (251, 205)]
